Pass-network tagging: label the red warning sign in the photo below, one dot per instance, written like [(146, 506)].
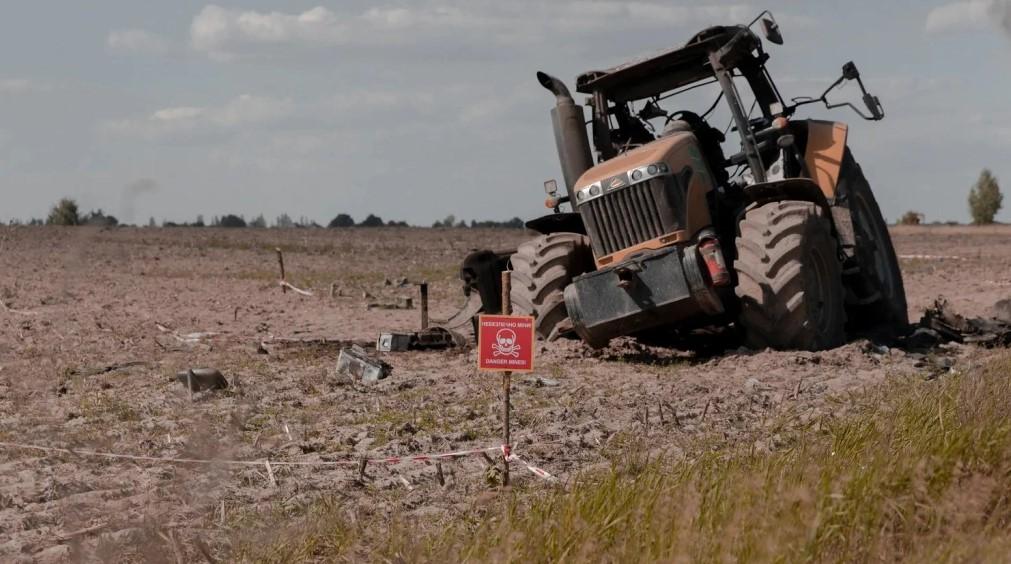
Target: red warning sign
[(505, 342)]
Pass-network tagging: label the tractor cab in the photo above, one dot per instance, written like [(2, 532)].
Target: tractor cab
[(637, 102)]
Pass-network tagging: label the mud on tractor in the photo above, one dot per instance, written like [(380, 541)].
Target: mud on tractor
[(782, 239)]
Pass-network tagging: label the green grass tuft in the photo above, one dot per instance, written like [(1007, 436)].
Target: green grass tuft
[(917, 471)]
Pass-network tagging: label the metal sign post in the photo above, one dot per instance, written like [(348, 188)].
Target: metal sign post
[(507, 377), (505, 344)]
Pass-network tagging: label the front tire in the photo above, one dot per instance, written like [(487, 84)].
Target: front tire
[(541, 269), (789, 278)]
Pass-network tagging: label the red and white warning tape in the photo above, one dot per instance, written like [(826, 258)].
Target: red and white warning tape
[(349, 462), (539, 472), (285, 284)]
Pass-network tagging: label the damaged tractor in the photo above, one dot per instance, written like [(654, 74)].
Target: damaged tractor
[(782, 238)]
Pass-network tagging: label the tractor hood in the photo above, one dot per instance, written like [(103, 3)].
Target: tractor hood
[(675, 150)]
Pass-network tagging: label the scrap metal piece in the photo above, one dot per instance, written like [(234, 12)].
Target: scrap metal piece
[(431, 339), (393, 342), (356, 362), (200, 379), (943, 324), (437, 338)]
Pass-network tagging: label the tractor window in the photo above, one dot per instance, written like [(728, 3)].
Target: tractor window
[(701, 108), (657, 113)]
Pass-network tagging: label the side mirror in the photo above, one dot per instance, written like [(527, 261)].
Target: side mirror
[(874, 106), (770, 29), (871, 102), (551, 187), (850, 72)]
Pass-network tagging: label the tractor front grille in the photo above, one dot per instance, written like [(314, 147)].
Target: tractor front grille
[(632, 215)]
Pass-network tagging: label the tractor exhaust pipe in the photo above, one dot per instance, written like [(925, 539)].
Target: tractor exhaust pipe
[(569, 124)]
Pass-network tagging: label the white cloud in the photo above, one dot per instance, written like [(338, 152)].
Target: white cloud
[(247, 109), (220, 32), (242, 111), (226, 34), (137, 41), (970, 15), (13, 86), (177, 114)]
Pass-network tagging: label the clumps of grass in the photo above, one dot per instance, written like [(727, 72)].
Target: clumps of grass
[(920, 471), (98, 407), (384, 425), (916, 471)]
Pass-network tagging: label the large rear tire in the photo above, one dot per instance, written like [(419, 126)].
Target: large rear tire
[(884, 310), (789, 278), (541, 269)]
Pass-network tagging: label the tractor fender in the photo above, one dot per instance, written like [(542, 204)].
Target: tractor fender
[(824, 149), (565, 222), (824, 146)]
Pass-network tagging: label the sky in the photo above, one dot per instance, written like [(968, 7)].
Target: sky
[(414, 110)]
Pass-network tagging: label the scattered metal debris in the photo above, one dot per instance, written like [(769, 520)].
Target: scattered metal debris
[(941, 324), (354, 361), (436, 338), (394, 342), (430, 339), (201, 379)]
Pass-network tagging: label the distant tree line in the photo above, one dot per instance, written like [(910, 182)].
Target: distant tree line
[(372, 220), (67, 212), (451, 221), (283, 221)]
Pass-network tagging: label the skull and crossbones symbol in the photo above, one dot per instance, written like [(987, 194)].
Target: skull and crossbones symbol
[(505, 344)]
